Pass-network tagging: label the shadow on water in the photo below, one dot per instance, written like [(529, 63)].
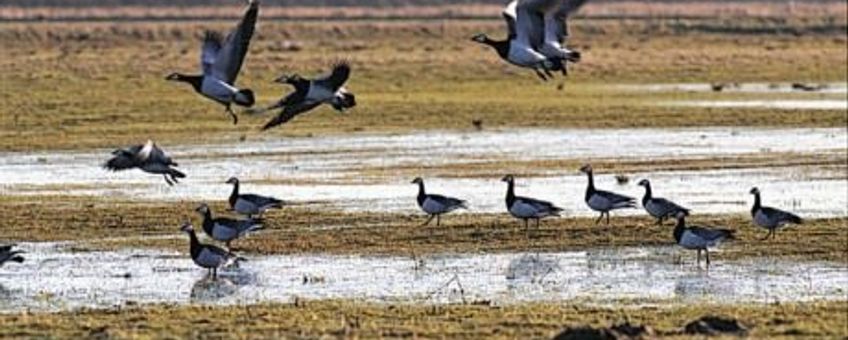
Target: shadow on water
[(208, 289), (229, 281)]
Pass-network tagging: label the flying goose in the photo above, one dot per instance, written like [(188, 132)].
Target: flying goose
[(526, 208), (699, 238), (659, 207), (436, 205), (310, 93), (7, 254), (206, 255), (769, 218), (604, 201), (147, 157), (537, 30), (250, 204), (226, 229), (221, 60)]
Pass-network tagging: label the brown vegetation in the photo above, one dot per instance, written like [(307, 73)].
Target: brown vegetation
[(315, 229), (195, 10), (84, 85), (352, 319)]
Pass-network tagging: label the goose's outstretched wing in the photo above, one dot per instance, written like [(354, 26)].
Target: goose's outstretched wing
[(289, 112), (530, 23), (158, 155), (209, 52), (556, 27), (336, 78), (509, 16), (232, 51), (122, 160)]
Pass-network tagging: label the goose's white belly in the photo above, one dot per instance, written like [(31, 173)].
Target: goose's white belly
[(599, 203), (209, 259), (523, 210), (216, 89), (522, 55), (431, 206)]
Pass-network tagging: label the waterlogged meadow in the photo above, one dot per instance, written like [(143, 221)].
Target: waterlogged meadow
[(706, 106)]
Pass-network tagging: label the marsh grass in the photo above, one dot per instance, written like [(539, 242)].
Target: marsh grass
[(105, 224), (353, 319)]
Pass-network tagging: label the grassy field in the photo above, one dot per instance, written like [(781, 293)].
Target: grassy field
[(84, 85), (351, 319)]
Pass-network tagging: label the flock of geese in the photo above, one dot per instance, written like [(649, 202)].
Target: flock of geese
[(692, 237), (536, 30)]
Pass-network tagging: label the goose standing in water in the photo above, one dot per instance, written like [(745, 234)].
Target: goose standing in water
[(537, 30), (310, 93), (658, 207), (250, 204), (699, 238), (604, 201), (436, 205), (221, 60), (206, 255), (147, 157), (7, 254), (226, 229), (769, 218), (525, 208)]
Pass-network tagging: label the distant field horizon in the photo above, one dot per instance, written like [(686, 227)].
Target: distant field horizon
[(82, 10)]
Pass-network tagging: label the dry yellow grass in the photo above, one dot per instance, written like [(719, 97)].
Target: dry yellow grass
[(83, 85), (301, 229), (618, 9), (351, 319)]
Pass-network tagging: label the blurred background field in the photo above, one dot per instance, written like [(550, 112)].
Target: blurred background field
[(95, 78)]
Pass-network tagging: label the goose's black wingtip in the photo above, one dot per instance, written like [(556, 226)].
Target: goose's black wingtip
[(176, 173)]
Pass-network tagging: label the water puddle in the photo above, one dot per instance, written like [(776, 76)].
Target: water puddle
[(53, 279), (334, 169), (810, 104), (814, 96), (826, 88)]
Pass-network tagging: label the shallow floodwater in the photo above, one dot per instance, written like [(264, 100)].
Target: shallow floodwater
[(825, 88), (827, 96), (335, 169), (53, 279), (798, 104)]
